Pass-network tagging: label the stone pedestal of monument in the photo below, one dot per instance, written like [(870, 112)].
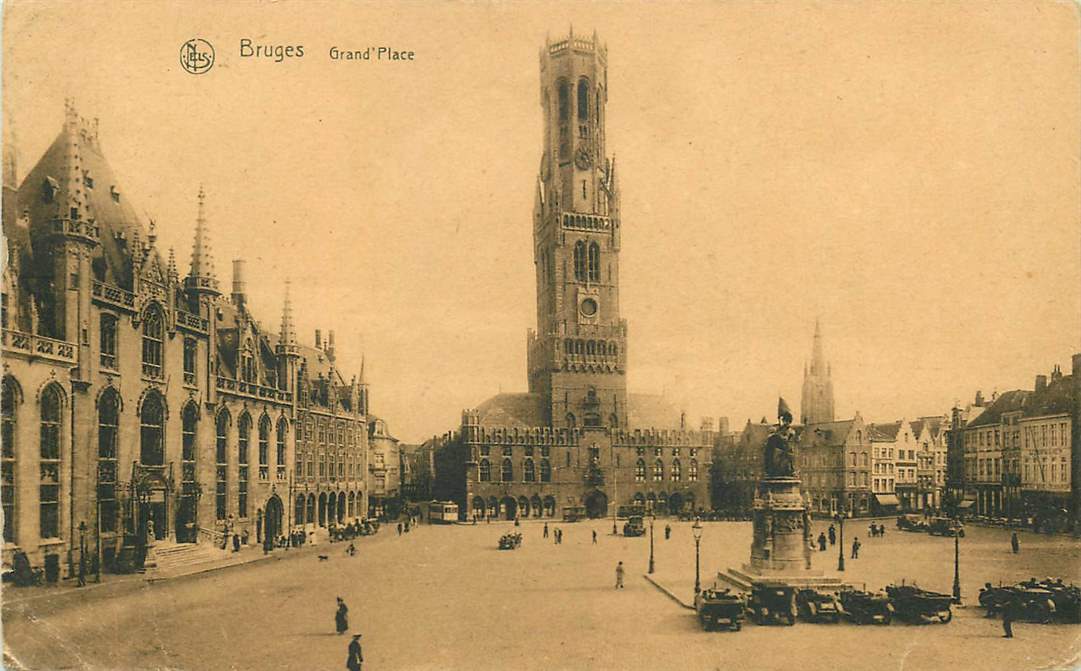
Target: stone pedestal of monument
[(780, 550)]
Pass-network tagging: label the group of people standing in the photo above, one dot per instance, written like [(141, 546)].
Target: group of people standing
[(831, 534)]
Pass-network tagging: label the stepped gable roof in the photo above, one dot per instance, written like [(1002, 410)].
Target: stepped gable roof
[(1010, 401), (885, 432), (1055, 399), (106, 202), (935, 424)]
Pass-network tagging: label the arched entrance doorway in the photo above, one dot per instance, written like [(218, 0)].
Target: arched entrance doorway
[(536, 506), (273, 519), (675, 504), (523, 506), (549, 506), (510, 508), (309, 517), (479, 505), (493, 507), (323, 510), (596, 504), (341, 508), (298, 512)]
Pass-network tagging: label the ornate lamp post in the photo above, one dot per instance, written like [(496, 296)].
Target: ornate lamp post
[(652, 516), (840, 517), (696, 530)]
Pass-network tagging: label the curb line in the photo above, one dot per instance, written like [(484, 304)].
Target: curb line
[(667, 592)]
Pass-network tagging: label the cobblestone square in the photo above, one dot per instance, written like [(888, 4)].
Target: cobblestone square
[(443, 597)]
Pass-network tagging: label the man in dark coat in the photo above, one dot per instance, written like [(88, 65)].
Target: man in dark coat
[(1015, 544), (341, 617), (356, 657), (822, 542), (856, 548), (833, 535), (1009, 614)]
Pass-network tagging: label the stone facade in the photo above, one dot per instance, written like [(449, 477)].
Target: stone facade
[(577, 442), (138, 403)]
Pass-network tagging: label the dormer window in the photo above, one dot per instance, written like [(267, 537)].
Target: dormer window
[(114, 193), (88, 181), (49, 187)]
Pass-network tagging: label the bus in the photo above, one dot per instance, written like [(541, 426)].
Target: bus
[(442, 512)]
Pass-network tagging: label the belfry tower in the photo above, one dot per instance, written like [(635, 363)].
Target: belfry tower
[(578, 354), (816, 403)]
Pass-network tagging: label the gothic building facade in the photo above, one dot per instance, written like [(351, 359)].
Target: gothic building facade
[(577, 440), (139, 404)]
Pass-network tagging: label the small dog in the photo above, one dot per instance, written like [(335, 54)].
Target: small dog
[(324, 557)]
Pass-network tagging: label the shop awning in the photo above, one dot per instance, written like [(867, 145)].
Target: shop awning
[(887, 500), (966, 504)]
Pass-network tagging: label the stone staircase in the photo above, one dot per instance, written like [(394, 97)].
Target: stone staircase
[(169, 560)]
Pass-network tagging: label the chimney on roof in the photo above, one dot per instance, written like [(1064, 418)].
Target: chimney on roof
[(240, 285), (1041, 383), (722, 424), (318, 339), (1056, 374), (330, 345), (979, 400)]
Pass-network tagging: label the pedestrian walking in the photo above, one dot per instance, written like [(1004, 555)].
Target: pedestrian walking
[(236, 543), (594, 536), (1009, 614), (872, 530), (667, 531), (399, 528), (517, 523), (619, 575), (833, 535), (341, 617), (1015, 544), (822, 542), (856, 548), (546, 530), (356, 656)]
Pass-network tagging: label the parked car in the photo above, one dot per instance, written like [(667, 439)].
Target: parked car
[(911, 523), (718, 608), (815, 606), (510, 541), (773, 603), (634, 526), (946, 526), (918, 605), (866, 607)]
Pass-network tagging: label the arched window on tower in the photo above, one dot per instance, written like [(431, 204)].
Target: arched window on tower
[(570, 420), (677, 470), (658, 471), (151, 437), (222, 464), (594, 262), (243, 442), (49, 464), (564, 114), (264, 448), (546, 470), (189, 423), (580, 261), (7, 465), (583, 99), (530, 470), (640, 470), (283, 431), (108, 421), (485, 470), (247, 362), (508, 470), (153, 340)]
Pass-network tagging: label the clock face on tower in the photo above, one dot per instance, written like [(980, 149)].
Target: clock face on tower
[(588, 307), (582, 158)]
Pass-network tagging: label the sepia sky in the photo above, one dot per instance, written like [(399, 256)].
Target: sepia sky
[(906, 171)]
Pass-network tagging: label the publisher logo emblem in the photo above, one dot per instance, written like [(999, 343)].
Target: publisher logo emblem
[(196, 56)]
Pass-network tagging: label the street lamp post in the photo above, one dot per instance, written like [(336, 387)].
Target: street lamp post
[(840, 517), (956, 565), (652, 517), (696, 530)]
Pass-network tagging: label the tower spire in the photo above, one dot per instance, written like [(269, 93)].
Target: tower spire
[(288, 330), (201, 277), (818, 357)]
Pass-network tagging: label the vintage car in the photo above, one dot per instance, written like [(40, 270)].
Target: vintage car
[(719, 607), (946, 526), (773, 603), (1041, 603), (920, 606), (634, 526), (510, 541), (911, 523), (866, 607), (815, 606)]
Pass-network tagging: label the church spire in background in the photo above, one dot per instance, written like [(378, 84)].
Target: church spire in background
[(201, 277)]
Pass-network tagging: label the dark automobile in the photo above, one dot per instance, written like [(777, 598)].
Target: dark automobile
[(718, 608), (634, 526), (866, 607), (945, 526), (1067, 600), (815, 606), (911, 523), (510, 541), (918, 605), (1036, 604), (773, 603)]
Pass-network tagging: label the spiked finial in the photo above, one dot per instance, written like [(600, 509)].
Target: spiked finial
[(288, 332), (201, 277), (173, 274)]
